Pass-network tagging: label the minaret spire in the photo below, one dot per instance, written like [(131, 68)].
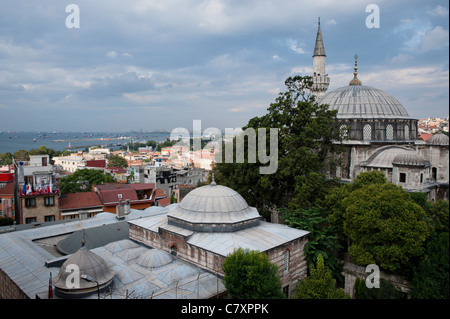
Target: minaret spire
[(320, 78), (319, 49)]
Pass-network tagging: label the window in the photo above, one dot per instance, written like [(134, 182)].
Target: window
[(421, 178), (406, 132), (389, 132), (344, 129), (402, 177), (49, 201), (30, 220), (434, 173), (367, 132), (286, 260), (49, 218), (30, 202)]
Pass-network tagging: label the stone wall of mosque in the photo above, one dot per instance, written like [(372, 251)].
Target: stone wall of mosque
[(291, 262), (9, 289)]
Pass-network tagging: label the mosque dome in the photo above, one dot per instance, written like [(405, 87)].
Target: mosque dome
[(364, 102), (154, 258), (410, 158), (91, 266), (438, 139), (357, 101), (213, 208), (389, 156)]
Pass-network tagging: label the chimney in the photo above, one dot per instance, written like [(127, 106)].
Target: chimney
[(120, 211)]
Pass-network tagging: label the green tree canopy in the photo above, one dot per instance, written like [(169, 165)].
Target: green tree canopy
[(431, 276), (320, 284), (321, 240), (117, 161), (306, 131), (385, 226), (82, 180), (250, 275)]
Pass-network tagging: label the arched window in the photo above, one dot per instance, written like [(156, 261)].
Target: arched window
[(367, 132), (344, 130), (389, 132), (406, 132), (286, 259), (434, 173)]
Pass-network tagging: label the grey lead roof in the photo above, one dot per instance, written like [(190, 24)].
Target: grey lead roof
[(364, 102)]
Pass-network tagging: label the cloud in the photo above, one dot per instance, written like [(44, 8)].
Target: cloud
[(111, 54), (330, 22), (439, 11), (292, 44), (435, 39)]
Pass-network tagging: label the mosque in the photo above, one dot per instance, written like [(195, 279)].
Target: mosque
[(381, 135)]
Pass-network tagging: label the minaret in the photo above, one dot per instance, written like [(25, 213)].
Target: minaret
[(320, 78)]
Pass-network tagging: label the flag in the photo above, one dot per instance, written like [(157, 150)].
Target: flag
[(24, 190), (28, 189), (50, 288)]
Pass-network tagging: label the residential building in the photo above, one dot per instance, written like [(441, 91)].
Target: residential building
[(80, 205), (36, 190)]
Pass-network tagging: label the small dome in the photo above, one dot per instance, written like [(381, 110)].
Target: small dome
[(213, 208), (154, 258), (89, 264), (390, 156), (409, 158), (438, 139)]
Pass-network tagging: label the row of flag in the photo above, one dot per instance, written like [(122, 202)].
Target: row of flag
[(41, 189)]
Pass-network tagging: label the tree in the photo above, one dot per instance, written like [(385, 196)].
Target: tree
[(306, 135), (386, 290), (250, 275), (320, 284), (321, 240), (117, 161), (431, 275), (333, 201), (385, 226), (82, 180)]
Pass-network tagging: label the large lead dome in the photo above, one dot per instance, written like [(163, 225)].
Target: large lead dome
[(364, 102), (370, 115), (213, 208)]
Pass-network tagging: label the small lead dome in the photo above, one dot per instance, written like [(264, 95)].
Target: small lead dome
[(213, 208), (89, 265)]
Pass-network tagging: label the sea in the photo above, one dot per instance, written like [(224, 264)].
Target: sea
[(73, 141)]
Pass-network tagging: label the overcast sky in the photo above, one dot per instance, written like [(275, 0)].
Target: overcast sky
[(153, 64)]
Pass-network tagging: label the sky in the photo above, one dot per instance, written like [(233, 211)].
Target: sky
[(151, 64)]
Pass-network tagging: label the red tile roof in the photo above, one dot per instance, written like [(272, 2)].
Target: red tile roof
[(112, 195), (159, 193), (79, 200), (425, 136), (8, 189), (164, 201)]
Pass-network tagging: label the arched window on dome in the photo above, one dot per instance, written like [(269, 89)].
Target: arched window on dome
[(389, 132), (406, 132), (367, 132)]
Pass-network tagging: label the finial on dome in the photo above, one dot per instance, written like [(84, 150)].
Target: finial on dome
[(213, 182), (355, 80)]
